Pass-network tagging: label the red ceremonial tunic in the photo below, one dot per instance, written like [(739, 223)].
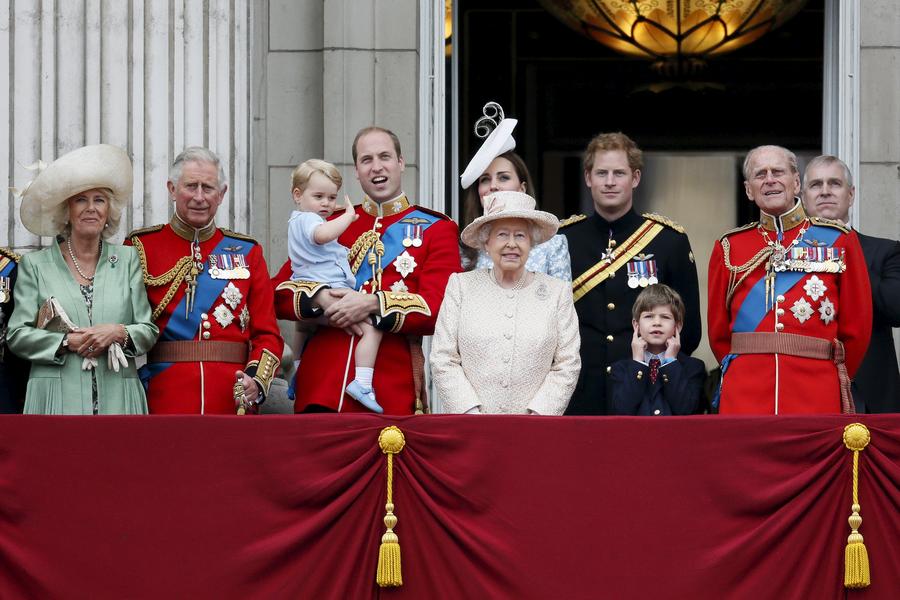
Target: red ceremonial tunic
[(413, 280), (234, 310), (818, 304)]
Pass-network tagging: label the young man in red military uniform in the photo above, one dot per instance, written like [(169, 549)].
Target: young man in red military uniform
[(790, 310), (402, 256), (211, 298)]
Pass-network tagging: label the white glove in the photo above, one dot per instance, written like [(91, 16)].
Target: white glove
[(115, 357), (88, 363)]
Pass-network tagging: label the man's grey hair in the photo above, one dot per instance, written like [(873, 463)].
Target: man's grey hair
[(197, 154), (824, 161), (484, 233), (792, 159)]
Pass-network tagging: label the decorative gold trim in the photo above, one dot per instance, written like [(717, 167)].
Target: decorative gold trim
[(174, 276), (146, 230), (388, 208), (10, 254), (301, 288), (571, 220), (402, 303), (266, 369), (595, 276), (739, 229), (364, 243), (240, 236), (789, 220), (664, 220), (187, 232), (830, 223)]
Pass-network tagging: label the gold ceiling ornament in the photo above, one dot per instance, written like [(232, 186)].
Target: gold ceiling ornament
[(679, 32)]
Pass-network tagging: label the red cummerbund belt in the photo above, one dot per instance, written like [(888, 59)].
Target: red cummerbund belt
[(782, 343), (190, 351)]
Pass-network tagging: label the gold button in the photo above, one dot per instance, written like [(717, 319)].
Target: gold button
[(640, 375), (204, 316), (609, 338), (779, 312), (780, 298), (608, 370), (656, 412), (206, 325), (779, 326), (206, 335), (610, 306)]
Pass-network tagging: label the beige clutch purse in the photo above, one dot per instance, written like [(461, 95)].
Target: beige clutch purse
[(52, 317)]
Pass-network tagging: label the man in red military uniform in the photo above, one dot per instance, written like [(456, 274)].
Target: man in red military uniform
[(211, 298), (402, 255), (790, 310)]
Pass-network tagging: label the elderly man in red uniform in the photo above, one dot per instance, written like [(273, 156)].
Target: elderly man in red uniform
[(790, 310), (402, 256), (211, 298)]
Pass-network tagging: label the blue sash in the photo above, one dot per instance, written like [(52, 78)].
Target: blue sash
[(7, 270), (753, 309), (392, 238), (208, 289)]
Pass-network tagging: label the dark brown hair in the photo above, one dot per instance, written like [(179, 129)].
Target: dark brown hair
[(658, 294), (374, 129)]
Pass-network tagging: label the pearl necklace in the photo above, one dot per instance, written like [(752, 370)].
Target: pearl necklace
[(75, 260), (517, 286)]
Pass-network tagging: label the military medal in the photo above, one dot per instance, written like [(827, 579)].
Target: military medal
[(5, 285), (417, 238), (652, 279), (632, 275), (405, 264), (407, 236), (232, 295), (223, 316)]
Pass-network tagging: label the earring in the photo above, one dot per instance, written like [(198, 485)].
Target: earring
[(106, 226)]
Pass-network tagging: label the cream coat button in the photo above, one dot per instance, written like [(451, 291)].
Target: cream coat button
[(505, 383), (509, 315), (206, 335), (506, 359), (507, 336)]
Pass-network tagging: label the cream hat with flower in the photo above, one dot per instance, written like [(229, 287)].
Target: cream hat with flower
[(511, 205), (44, 212)]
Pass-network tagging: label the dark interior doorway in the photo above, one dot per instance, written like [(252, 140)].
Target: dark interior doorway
[(564, 88)]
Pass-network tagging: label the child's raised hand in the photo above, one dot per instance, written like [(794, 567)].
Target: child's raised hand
[(638, 345), (350, 210), (673, 344)]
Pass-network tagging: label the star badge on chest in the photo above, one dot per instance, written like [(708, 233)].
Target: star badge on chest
[(223, 316), (232, 295), (802, 310), (405, 264), (815, 288), (826, 311)]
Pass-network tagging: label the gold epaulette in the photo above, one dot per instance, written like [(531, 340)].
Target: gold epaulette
[(737, 229), (571, 220), (433, 212), (240, 236), (10, 254), (830, 223), (145, 230), (664, 220)]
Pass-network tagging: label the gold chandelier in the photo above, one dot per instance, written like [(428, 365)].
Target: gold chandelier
[(673, 31)]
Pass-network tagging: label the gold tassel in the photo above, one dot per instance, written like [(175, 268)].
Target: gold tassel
[(391, 441), (856, 557)]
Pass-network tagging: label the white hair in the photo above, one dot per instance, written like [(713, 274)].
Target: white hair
[(792, 159), (484, 233), (197, 154)]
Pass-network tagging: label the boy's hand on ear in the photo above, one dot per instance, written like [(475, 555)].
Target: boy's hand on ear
[(673, 344), (638, 345)]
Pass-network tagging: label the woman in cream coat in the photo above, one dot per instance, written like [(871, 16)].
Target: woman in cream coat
[(506, 339), (90, 370)]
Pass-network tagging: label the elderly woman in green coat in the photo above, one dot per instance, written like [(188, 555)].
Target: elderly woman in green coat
[(82, 364)]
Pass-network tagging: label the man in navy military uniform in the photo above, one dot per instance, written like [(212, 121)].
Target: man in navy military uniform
[(615, 254), (828, 192), (13, 370)]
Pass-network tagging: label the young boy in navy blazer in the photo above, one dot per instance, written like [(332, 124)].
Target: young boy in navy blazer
[(658, 379)]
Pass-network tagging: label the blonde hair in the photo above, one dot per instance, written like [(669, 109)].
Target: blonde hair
[(113, 214), (301, 175)]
